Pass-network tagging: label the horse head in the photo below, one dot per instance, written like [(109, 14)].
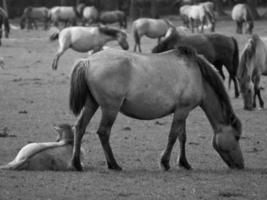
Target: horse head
[(65, 133), (226, 143), (168, 42), (245, 72)]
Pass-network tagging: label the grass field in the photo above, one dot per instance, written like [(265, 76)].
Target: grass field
[(33, 98)]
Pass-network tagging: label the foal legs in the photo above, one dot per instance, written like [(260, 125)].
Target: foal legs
[(84, 119), (177, 130), (63, 46), (104, 130)]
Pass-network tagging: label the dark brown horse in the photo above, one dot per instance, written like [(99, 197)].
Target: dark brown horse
[(219, 49)]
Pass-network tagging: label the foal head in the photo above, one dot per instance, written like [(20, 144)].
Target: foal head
[(65, 133)]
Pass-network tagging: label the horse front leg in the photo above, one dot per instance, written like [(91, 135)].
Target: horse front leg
[(80, 127), (104, 130), (258, 92), (177, 130)]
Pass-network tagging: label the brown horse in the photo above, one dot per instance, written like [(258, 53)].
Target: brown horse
[(241, 13), (218, 49), (253, 64), (150, 86)]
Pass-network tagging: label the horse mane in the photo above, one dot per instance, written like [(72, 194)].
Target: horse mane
[(111, 31), (214, 80), (247, 53)]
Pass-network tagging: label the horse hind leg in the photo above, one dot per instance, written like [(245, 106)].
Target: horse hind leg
[(104, 130), (81, 124)]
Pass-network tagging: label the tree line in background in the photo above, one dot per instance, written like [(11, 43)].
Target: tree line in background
[(134, 8)]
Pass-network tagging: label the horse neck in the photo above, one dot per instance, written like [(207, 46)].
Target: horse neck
[(213, 108)]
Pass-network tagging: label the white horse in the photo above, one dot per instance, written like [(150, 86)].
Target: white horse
[(152, 28), (47, 155), (84, 39)]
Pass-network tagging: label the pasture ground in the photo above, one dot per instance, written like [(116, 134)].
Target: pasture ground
[(34, 98)]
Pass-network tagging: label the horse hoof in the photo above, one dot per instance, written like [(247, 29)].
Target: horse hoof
[(185, 165), (114, 167)]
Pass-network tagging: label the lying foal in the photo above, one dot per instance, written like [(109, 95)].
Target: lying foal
[(47, 155)]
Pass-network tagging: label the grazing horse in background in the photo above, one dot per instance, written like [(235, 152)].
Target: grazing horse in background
[(150, 86), (33, 14), (210, 9), (152, 28), (253, 64), (241, 13), (88, 14), (109, 17), (4, 20), (197, 16), (183, 13), (66, 14), (217, 48), (84, 39), (47, 155), (202, 12)]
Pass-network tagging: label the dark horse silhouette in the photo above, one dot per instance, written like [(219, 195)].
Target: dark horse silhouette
[(4, 20), (217, 48)]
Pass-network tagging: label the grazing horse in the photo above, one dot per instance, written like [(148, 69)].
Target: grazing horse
[(47, 155), (210, 9), (150, 86), (183, 13), (241, 13), (88, 14), (66, 14), (31, 14), (152, 28), (253, 64), (202, 12), (4, 20), (109, 17), (197, 14), (84, 39), (217, 48)]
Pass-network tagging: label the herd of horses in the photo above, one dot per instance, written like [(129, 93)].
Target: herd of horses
[(182, 72)]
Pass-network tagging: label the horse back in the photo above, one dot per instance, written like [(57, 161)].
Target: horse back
[(156, 80), (152, 28), (63, 12)]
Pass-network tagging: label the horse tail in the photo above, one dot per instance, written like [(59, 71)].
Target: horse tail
[(78, 86), (54, 34)]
